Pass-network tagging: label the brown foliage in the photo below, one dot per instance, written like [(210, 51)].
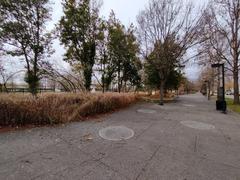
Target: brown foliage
[(20, 110)]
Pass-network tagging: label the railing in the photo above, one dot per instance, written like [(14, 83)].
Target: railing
[(26, 90)]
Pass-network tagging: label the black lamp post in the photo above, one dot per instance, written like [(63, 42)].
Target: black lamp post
[(221, 102)]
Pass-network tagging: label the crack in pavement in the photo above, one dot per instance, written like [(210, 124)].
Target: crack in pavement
[(144, 130), (225, 137), (97, 159), (195, 143), (148, 162)]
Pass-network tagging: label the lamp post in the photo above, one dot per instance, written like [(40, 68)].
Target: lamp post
[(221, 102)]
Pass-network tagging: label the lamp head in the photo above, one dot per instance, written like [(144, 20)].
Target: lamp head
[(217, 65)]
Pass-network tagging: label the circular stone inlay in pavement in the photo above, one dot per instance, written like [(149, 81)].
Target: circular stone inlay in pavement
[(146, 111), (189, 105), (116, 133), (198, 125)]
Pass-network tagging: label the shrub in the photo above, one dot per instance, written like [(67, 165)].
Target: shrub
[(20, 110)]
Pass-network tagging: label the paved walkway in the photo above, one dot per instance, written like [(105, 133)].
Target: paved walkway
[(166, 146)]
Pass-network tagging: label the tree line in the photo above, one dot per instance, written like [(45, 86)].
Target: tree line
[(91, 42), (150, 55)]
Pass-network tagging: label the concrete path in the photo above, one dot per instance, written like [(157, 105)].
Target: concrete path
[(187, 140)]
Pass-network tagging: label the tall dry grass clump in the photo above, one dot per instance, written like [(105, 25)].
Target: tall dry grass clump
[(20, 110)]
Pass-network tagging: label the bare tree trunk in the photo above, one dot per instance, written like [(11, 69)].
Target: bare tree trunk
[(5, 89), (119, 83), (161, 93), (209, 90), (218, 82), (236, 87), (103, 83), (212, 83), (236, 44), (125, 86), (103, 89)]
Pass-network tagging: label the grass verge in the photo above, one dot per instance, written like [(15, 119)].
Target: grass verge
[(21, 110), (156, 98), (232, 106)]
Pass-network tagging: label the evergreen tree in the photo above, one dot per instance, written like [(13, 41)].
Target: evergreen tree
[(78, 33), (123, 53)]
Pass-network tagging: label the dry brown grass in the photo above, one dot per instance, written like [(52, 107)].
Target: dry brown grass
[(20, 110)]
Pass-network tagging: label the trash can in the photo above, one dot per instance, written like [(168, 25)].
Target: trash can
[(221, 105)]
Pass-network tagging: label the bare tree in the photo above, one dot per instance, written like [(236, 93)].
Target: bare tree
[(221, 32), (169, 28), (208, 56)]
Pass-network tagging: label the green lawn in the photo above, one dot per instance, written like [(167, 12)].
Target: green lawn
[(233, 107)]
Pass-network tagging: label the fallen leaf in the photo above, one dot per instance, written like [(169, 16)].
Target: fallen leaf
[(88, 137), (99, 120)]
